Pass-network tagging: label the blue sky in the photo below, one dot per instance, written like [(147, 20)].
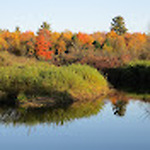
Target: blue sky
[(77, 15)]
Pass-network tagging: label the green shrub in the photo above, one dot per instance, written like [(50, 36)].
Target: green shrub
[(81, 82), (145, 63), (134, 77)]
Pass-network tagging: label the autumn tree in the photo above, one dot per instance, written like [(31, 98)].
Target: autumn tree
[(3, 44), (118, 25), (85, 39), (99, 37), (43, 43), (27, 41), (63, 42), (13, 41)]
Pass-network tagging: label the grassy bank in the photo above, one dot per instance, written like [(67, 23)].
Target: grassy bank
[(25, 81)]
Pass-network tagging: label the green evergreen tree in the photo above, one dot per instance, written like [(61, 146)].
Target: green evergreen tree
[(45, 25), (118, 25), (17, 29)]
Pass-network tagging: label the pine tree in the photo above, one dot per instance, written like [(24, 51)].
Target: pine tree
[(118, 25)]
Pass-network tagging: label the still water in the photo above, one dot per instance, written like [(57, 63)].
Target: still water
[(104, 124)]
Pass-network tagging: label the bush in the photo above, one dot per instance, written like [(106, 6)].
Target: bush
[(41, 79), (134, 77)]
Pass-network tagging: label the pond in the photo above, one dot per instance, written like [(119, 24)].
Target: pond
[(112, 123)]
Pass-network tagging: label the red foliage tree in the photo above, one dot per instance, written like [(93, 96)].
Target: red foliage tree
[(43, 45)]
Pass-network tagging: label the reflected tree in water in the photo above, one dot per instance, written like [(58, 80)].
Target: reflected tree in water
[(119, 108), (119, 101), (146, 113)]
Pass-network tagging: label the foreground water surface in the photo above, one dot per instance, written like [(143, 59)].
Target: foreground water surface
[(113, 124)]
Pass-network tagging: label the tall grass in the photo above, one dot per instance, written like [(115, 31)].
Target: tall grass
[(76, 82), (7, 59)]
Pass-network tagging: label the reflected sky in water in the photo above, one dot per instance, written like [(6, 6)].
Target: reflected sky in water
[(104, 130)]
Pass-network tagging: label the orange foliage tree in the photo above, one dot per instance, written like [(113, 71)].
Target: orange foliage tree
[(99, 37), (85, 39), (136, 41), (3, 43), (109, 43), (43, 45), (13, 41), (27, 40)]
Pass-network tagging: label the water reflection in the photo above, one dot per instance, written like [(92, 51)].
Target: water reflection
[(119, 108), (117, 122), (146, 110), (56, 116), (59, 116), (119, 102)]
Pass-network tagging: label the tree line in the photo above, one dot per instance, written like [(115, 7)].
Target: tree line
[(117, 45)]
